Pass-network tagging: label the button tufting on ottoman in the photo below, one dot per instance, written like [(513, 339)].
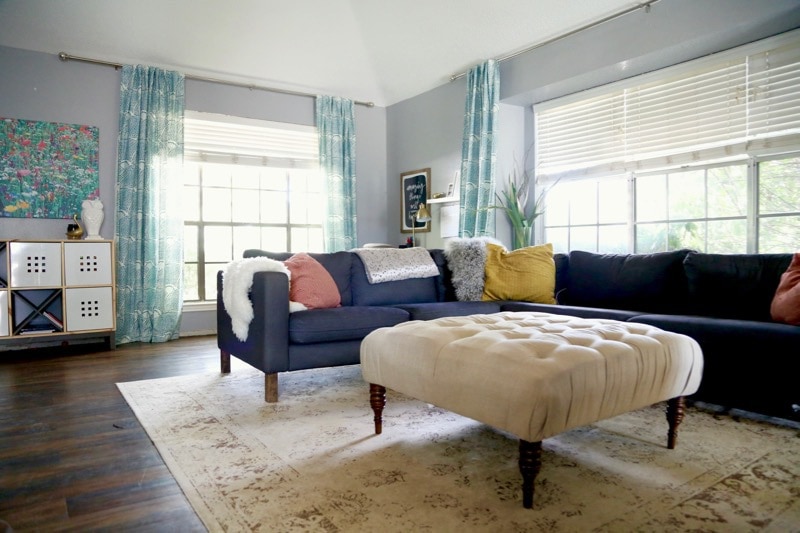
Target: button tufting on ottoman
[(532, 374)]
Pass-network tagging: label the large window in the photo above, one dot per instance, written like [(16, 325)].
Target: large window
[(743, 207), (705, 155), (247, 184)]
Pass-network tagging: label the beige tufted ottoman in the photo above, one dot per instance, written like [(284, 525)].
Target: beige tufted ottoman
[(532, 374)]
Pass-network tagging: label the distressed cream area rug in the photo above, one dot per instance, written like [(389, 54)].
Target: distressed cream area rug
[(312, 463)]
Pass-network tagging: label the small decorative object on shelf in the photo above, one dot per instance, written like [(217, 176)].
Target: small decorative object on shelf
[(74, 231), (92, 216)]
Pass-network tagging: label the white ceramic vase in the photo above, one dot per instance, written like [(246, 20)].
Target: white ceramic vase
[(92, 217)]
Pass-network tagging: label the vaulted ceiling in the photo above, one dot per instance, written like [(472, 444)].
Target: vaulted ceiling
[(373, 50)]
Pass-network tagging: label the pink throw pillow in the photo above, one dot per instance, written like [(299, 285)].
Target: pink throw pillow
[(311, 284), (786, 303)]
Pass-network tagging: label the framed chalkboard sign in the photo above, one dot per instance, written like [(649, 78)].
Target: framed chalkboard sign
[(414, 187)]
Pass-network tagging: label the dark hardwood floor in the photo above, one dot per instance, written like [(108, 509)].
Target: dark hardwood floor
[(73, 455)]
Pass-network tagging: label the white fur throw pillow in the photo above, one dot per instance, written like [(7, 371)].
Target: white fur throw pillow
[(466, 259)]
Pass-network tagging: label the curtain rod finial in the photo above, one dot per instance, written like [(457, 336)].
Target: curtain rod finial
[(63, 56)]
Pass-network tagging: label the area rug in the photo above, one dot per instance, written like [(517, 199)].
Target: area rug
[(311, 462)]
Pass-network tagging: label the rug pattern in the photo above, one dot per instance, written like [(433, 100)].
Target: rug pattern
[(312, 463)]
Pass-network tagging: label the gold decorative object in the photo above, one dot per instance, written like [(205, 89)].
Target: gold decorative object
[(74, 231)]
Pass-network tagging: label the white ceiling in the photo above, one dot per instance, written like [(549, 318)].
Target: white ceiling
[(372, 50)]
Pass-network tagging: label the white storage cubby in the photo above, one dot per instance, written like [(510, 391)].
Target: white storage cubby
[(35, 264), (3, 313), (56, 289), (89, 308)]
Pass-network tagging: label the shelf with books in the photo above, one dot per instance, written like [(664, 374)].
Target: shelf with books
[(56, 289)]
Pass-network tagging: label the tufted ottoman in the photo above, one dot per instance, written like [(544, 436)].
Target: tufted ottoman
[(532, 374)]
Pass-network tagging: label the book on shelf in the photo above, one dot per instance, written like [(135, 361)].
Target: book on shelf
[(30, 329), (54, 319)]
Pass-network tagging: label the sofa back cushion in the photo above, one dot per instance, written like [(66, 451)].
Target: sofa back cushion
[(338, 265), (635, 282), (739, 286), (407, 291)]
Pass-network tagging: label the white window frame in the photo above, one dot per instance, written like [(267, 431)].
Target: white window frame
[(212, 138)]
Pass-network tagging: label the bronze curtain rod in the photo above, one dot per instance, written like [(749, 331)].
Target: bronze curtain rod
[(63, 56), (645, 6)]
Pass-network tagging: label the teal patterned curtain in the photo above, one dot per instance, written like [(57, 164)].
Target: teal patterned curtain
[(337, 158), (149, 229), (478, 151)]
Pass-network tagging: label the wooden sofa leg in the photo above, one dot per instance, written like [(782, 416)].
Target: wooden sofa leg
[(530, 461), (271, 387), (377, 399), (675, 412), (224, 362)]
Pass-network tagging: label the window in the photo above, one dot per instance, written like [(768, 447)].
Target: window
[(247, 184), (703, 155)]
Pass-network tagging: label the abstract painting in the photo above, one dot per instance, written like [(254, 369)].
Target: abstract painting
[(47, 169)]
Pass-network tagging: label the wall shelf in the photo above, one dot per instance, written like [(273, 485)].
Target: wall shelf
[(445, 200)]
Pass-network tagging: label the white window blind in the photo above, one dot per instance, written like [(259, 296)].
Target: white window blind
[(718, 107), (224, 139)]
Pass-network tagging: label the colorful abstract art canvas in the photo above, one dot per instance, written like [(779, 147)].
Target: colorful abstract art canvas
[(47, 169)]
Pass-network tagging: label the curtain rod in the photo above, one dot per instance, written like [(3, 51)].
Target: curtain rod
[(645, 6), (63, 56)]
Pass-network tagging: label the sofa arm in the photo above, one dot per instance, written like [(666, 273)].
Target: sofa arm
[(267, 344)]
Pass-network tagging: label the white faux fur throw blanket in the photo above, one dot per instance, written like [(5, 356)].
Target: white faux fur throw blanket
[(394, 264), (237, 280)]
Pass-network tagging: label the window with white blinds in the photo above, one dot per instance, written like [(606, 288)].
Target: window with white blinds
[(734, 103), (247, 184), (225, 139)]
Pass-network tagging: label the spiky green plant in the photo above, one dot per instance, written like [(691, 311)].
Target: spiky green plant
[(513, 200)]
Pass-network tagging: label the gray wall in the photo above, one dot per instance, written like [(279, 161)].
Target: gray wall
[(39, 86), (426, 130)]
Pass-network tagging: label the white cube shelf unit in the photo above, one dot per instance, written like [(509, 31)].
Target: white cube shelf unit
[(56, 290)]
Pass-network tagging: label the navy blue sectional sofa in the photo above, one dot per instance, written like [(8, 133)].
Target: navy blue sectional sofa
[(722, 301)]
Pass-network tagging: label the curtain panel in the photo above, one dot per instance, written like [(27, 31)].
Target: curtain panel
[(149, 229), (337, 159), (478, 152)]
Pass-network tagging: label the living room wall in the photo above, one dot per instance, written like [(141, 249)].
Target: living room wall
[(425, 131), (37, 86)]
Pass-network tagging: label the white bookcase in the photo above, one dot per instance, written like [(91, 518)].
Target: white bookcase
[(54, 290)]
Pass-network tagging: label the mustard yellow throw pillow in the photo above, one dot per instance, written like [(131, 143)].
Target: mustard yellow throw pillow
[(527, 274)]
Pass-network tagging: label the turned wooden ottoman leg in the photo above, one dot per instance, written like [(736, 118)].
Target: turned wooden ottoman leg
[(675, 412), (530, 461), (377, 399)]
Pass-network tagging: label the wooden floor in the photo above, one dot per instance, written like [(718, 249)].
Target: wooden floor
[(73, 455)]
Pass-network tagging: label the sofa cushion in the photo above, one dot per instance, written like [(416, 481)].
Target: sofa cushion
[(527, 274), (445, 291), (739, 286), (745, 361), (786, 303), (562, 272), (390, 292), (341, 323), (635, 282), (429, 311), (311, 284), (338, 264)]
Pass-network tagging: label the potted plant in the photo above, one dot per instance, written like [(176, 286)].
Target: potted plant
[(514, 201)]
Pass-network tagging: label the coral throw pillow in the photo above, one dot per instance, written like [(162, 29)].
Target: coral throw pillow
[(311, 284), (786, 303), (526, 275)]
